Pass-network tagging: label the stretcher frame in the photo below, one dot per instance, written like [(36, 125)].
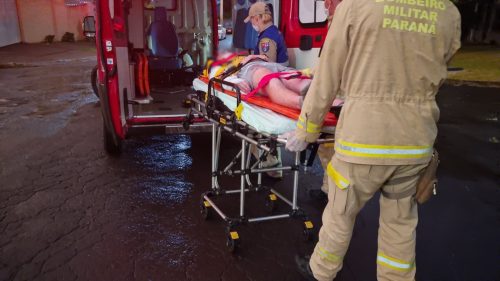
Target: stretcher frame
[(206, 105)]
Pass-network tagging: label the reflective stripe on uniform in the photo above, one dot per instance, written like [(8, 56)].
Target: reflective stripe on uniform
[(327, 255), (393, 263), (382, 151), (337, 178), (310, 126)]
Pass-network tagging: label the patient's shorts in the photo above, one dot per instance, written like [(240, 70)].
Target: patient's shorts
[(247, 71)]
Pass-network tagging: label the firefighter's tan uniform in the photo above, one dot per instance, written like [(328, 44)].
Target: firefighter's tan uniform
[(326, 151), (325, 154), (388, 58)]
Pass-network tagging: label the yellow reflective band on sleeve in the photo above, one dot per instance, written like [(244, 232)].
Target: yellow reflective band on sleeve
[(309, 126), (382, 151), (337, 178), (393, 263), (328, 256)]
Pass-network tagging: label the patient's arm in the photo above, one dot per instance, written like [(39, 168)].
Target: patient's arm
[(244, 86), (251, 57)]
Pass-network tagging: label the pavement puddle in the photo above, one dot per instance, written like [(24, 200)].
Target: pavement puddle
[(13, 102), (15, 65)]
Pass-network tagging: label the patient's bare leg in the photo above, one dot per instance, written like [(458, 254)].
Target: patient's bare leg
[(276, 90), (296, 85)]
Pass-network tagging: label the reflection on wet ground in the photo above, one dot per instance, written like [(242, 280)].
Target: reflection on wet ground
[(165, 190), (163, 153)]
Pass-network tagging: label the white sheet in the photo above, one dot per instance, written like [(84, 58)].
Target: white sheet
[(262, 119)]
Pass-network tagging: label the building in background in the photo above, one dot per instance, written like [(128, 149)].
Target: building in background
[(30, 21)]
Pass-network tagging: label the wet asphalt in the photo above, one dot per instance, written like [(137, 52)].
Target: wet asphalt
[(68, 211)]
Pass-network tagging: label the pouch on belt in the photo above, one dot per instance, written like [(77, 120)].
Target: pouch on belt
[(426, 184)]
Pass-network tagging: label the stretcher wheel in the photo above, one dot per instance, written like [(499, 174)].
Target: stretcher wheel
[(271, 202), (205, 210), (232, 241), (307, 234), (307, 231)]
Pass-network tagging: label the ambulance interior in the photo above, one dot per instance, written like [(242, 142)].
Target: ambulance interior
[(169, 42)]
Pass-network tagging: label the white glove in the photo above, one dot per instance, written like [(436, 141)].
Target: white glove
[(293, 143)]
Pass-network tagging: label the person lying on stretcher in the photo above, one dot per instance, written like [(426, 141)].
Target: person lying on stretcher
[(288, 89)]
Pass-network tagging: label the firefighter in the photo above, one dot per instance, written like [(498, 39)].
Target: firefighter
[(326, 151), (330, 6), (388, 58), (270, 41)]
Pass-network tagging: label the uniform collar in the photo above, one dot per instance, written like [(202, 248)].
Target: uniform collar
[(266, 28)]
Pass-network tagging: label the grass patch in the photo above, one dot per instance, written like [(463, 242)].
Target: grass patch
[(479, 63)]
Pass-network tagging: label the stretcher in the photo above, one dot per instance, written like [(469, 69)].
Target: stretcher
[(255, 122)]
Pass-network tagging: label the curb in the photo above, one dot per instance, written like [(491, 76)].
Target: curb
[(487, 84)]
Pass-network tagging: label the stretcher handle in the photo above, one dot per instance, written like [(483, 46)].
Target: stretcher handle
[(314, 151), (222, 82), (318, 141)]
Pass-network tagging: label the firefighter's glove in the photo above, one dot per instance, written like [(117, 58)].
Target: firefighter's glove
[(293, 143)]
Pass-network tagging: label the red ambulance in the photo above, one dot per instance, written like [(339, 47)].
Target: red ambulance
[(149, 52)]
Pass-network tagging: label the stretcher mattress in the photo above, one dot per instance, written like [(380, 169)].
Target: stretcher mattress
[(261, 119)]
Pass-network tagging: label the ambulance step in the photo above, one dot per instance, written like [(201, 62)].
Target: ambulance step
[(146, 100)]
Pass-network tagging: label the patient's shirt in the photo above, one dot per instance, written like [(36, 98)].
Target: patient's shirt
[(247, 71)]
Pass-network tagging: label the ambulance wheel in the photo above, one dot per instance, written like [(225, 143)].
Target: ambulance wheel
[(93, 81), (110, 146)]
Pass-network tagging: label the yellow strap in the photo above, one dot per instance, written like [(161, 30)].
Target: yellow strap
[(237, 60), (205, 71), (220, 71), (239, 111), (306, 72)]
